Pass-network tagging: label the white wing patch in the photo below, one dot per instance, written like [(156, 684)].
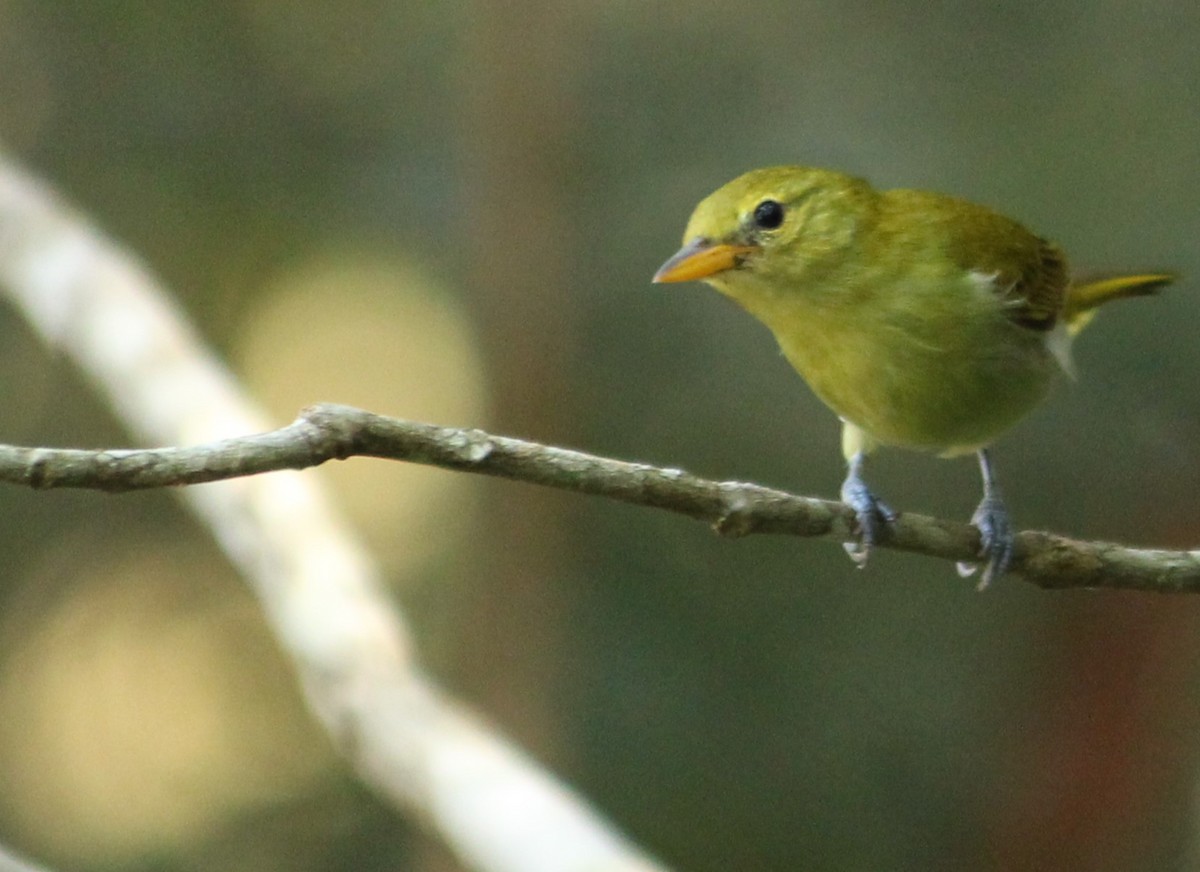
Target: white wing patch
[(985, 283)]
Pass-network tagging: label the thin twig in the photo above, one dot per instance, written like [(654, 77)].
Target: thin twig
[(327, 431)]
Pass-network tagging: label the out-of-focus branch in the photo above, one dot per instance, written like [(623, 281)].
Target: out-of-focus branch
[(10, 862), (319, 588), (328, 431)]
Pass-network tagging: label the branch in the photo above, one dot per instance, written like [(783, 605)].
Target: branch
[(320, 591), (325, 432), (318, 586), (12, 862)]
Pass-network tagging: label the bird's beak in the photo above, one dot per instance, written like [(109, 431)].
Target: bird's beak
[(700, 259)]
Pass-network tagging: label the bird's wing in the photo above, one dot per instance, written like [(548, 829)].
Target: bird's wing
[(1035, 293), (1027, 273)]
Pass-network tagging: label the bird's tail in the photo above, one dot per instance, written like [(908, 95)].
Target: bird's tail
[(1084, 298)]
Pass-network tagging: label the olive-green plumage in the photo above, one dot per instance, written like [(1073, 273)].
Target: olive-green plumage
[(922, 320)]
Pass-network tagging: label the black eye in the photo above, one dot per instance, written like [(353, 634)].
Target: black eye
[(768, 215)]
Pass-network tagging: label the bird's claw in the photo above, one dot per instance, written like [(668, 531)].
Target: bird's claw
[(998, 542), (872, 517)]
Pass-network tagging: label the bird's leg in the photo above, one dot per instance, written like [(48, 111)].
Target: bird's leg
[(872, 514), (995, 529)]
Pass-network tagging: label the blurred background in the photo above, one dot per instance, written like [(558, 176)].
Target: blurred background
[(450, 212)]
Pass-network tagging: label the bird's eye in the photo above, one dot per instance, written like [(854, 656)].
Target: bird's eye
[(768, 215)]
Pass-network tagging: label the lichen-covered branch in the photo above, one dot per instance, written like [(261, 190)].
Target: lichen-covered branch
[(327, 431)]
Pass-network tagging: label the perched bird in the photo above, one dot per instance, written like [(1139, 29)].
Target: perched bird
[(922, 320)]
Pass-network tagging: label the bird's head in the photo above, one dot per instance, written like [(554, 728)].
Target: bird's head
[(769, 229)]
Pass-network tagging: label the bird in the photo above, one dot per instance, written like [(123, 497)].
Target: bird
[(924, 321)]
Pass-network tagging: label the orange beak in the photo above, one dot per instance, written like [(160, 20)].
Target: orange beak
[(700, 259)]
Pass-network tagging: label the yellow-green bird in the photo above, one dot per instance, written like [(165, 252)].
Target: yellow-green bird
[(922, 320)]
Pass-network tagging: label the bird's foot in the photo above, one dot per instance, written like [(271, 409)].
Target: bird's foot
[(998, 541), (872, 516)]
